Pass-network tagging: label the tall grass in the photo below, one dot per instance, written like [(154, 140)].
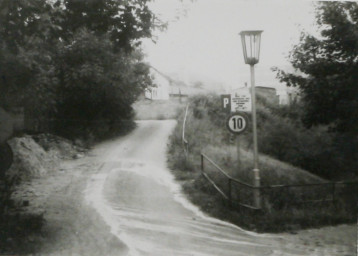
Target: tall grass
[(317, 149), (206, 132)]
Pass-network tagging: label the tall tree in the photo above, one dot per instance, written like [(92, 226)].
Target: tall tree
[(100, 61), (126, 21), (74, 59), (328, 68), (26, 69)]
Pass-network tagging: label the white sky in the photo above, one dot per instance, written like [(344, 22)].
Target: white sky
[(204, 45)]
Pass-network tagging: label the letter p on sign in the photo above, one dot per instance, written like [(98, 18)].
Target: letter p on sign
[(226, 102)]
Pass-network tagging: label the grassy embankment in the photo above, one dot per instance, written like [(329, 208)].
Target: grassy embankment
[(280, 135)]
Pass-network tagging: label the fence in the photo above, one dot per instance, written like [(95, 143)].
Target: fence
[(233, 190), (185, 142), (241, 194), (238, 193)]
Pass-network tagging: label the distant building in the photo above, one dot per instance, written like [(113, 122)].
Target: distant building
[(167, 87), (161, 89), (289, 96), (269, 93)]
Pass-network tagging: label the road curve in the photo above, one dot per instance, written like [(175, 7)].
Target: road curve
[(138, 198)]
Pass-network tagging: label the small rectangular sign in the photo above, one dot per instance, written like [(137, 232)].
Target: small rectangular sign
[(241, 100), (226, 102)]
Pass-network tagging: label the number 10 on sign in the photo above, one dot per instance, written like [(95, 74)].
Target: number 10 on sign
[(237, 123)]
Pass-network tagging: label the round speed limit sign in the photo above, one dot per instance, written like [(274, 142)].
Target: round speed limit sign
[(237, 123)]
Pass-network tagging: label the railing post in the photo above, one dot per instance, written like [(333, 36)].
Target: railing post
[(202, 163), (184, 141), (257, 187), (229, 193)]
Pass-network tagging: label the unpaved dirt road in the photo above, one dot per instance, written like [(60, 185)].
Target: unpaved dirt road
[(137, 197)]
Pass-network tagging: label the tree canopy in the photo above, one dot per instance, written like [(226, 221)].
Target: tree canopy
[(328, 68), (74, 59)]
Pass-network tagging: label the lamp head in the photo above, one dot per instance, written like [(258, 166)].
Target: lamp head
[(251, 45)]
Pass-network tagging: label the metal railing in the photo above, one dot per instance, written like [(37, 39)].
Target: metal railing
[(239, 193), (185, 142), (232, 185)]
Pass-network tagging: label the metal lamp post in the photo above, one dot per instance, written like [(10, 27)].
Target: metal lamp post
[(251, 49)]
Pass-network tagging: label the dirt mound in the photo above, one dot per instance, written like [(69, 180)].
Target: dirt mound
[(30, 159), (58, 147), (36, 155)]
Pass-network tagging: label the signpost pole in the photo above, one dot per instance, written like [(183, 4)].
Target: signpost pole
[(237, 123), (238, 152), (256, 171)]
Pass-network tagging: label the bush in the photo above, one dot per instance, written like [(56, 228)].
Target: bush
[(280, 136), (318, 150), (74, 71)]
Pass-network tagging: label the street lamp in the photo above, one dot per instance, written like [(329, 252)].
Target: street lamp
[(251, 49)]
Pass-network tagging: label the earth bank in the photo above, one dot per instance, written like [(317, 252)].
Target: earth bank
[(46, 213)]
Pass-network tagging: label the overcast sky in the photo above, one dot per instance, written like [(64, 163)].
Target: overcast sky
[(204, 44)]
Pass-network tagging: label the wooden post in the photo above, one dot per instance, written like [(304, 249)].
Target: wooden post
[(202, 163), (229, 193), (238, 152)]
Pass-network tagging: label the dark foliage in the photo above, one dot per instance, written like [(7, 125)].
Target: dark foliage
[(75, 66), (328, 67)]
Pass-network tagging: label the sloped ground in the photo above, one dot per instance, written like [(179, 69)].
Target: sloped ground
[(34, 156), (56, 220), (19, 215), (70, 226), (46, 212), (272, 171), (60, 222), (145, 209)]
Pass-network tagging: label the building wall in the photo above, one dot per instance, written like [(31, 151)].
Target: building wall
[(269, 94), (161, 92)]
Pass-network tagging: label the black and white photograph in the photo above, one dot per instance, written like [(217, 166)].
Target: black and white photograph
[(178, 128)]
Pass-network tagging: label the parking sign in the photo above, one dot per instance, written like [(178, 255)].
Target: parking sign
[(226, 102)]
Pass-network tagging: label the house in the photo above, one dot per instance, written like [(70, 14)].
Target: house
[(269, 93), (167, 87), (160, 90)]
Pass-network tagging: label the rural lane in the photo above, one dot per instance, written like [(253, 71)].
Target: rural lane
[(140, 201)]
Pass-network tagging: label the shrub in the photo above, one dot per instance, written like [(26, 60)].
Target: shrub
[(280, 136)]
